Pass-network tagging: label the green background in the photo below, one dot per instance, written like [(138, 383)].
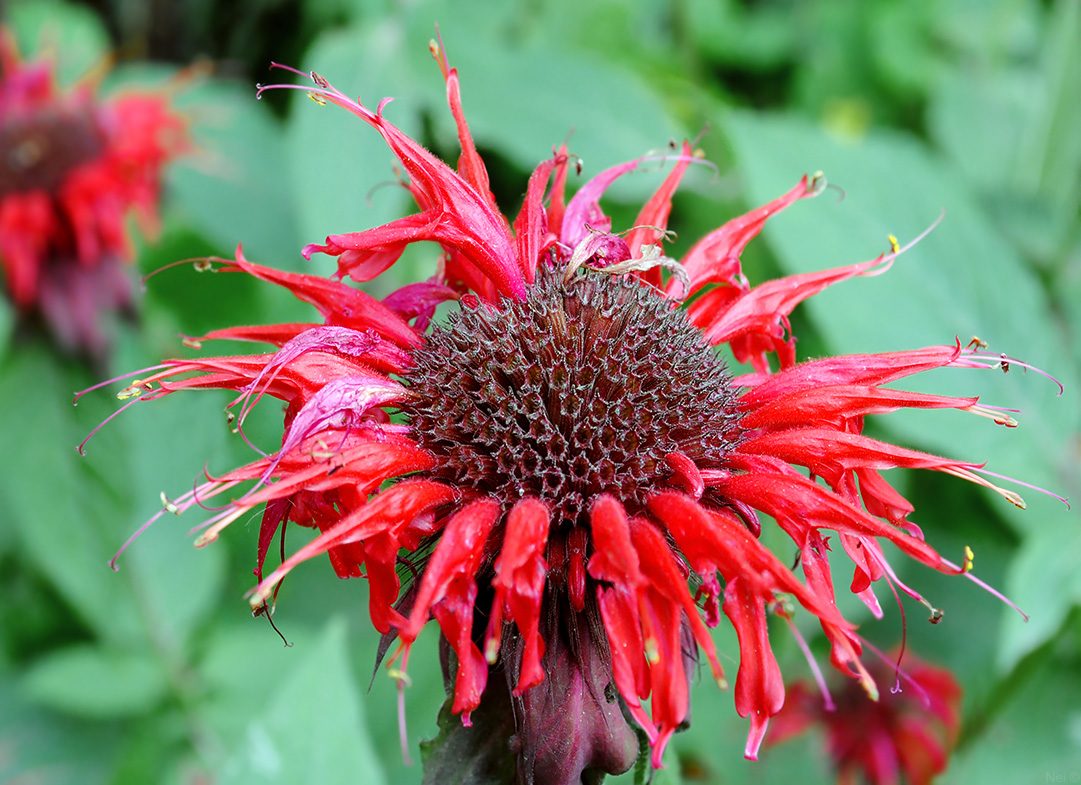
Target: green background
[(159, 674)]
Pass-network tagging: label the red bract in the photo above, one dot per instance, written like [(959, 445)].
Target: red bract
[(570, 455), (911, 730), (72, 170)]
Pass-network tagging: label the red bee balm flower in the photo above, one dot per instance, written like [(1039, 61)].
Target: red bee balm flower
[(569, 454), (71, 170), (911, 728)]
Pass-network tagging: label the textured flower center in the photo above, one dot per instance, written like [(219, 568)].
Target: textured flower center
[(37, 150), (579, 389)]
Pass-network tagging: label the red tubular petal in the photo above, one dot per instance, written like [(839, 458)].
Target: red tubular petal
[(470, 165), (715, 258), (520, 573), (668, 677), (584, 212), (414, 299), (834, 405), (454, 613), (759, 687), (846, 646), (577, 542), (860, 369), (480, 232), (830, 454), (685, 472), (340, 304), (798, 504), (716, 541), (880, 498), (759, 317), (659, 565), (556, 205), (339, 405), (296, 383), (276, 334), (449, 590), (614, 558), (454, 562), (362, 468), (615, 562), (655, 214), (531, 225), (388, 511)]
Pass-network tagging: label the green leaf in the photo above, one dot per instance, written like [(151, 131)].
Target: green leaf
[(72, 513), (1046, 577), (757, 39), (1036, 738), (7, 325), (517, 97), (965, 104), (962, 280), (477, 755), (334, 159), (235, 187), (40, 746), (97, 682), (66, 517), (71, 35), (314, 730)]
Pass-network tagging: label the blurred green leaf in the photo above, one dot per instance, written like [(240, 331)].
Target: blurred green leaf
[(1050, 163), (1037, 737), (67, 517), (7, 325), (43, 748), (71, 35), (756, 38), (337, 162), (73, 513), (965, 103), (962, 280), (314, 730), (988, 33), (517, 100), (1045, 578), (235, 187), (96, 682)]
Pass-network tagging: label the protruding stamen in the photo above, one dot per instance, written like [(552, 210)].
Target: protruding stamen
[(966, 474), (816, 672), (169, 505), (994, 413)]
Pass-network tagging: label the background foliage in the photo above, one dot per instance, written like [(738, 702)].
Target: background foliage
[(159, 674)]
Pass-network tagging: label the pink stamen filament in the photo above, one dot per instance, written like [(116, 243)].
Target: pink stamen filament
[(900, 672), (995, 413), (1000, 361), (99, 385), (986, 587), (816, 672), (82, 445)]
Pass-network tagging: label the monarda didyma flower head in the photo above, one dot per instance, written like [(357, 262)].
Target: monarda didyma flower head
[(72, 169), (567, 476)]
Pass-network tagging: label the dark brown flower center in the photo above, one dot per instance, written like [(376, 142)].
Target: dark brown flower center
[(37, 150), (579, 389)]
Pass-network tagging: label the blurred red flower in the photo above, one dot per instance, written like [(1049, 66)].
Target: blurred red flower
[(910, 730), (73, 167)]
